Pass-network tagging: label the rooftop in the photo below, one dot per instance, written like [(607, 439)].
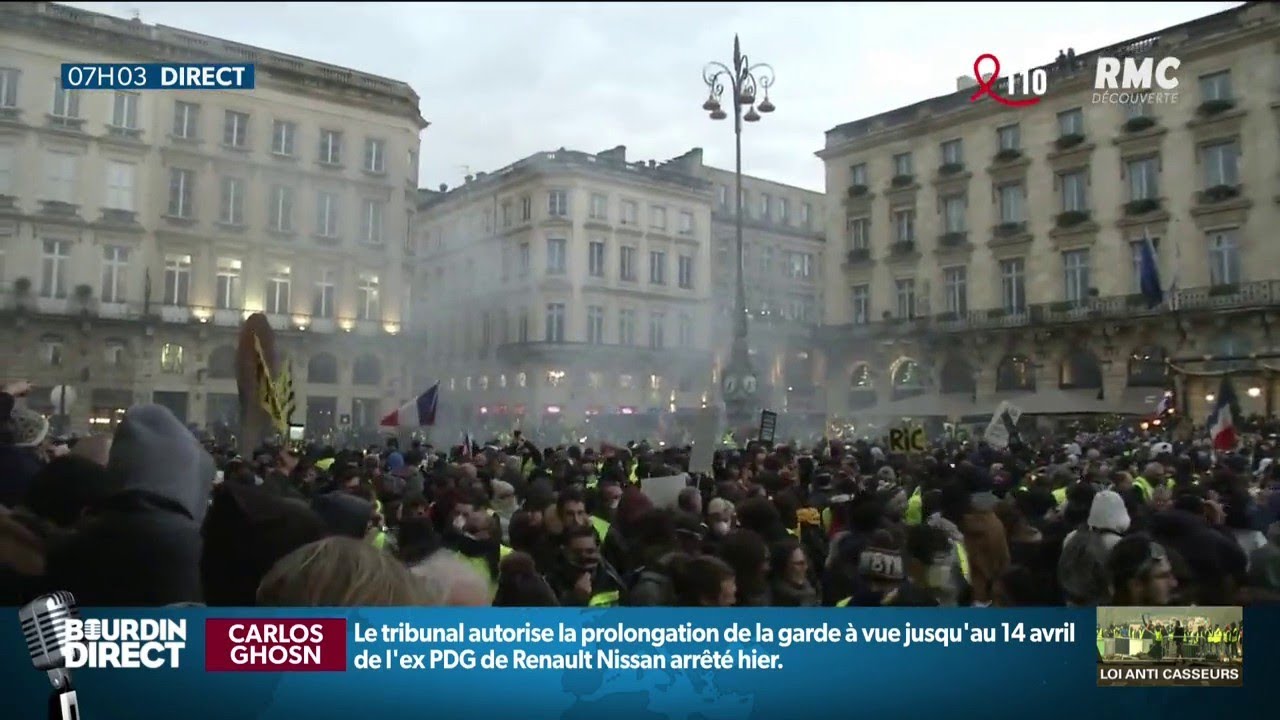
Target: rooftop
[(609, 161), (1222, 23), (166, 43)]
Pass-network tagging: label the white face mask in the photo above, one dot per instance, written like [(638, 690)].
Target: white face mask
[(720, 528), (613, 504), (459, 522)]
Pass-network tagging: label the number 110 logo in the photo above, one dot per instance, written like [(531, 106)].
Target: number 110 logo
[(1029, 82)]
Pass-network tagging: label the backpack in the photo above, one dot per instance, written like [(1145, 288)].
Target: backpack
[(1082, 567)]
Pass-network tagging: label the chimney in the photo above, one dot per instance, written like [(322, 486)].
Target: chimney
[(468, 178), (965, 82), (444, 187), (653, 163), (481, 175)]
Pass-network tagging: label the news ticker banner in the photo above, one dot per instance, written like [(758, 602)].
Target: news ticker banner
[(562, 663)]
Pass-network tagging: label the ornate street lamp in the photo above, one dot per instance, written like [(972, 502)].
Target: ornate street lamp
[(748, 86)]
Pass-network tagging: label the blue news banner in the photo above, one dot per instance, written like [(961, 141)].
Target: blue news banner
[(158, 76), (713, 664)]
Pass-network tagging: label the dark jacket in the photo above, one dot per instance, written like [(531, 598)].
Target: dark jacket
[(1212, 556), (141, 546), (603, 580), (653, 585)]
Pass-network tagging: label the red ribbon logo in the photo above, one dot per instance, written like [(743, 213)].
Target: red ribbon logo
[(986, 86)]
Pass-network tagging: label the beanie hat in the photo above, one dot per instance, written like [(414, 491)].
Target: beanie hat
[(29, 427)]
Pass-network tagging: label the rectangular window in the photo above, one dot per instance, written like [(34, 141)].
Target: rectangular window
[(181, 191), (685, 331), (904, 225), (657, 268), (1144, 178), (858, 174), (231, 203), (124, 110), (1071, 122), (627, 327), (186, 120), (8, 168), (859, 233), (526, 208), (658, 218), (1013, 287), (657, 330), (595, 258), (722, 195), (556, 260), (508, 217), (806, 214), (953, 213), (766, 260), (905, 291), (235, 130), (599, 206), (595, 324), (1221, 163), (66, 103), (53, 270), (278, 290), (1009, 137), (1135, 253), (555, 323), (684, 270), (861, 297), (62, 177), (1216, 86), (627, 263), (955, 282), (177, 279), (784, 210), (902, 165), (283, 135), (281, 209), (765, 203), (558, 203), (1011, 197), (115, 268), (9, 87), (799, 265), (1136, 108), (326, 293), (371, 221), (953, 152), (1224, 258), (686, 222), (227, 285), (1075, 268), (330, 147), (368, 297), (121, 180), (630, 212), (526, 259), (375, 155), (1072, 189), (327, 214)]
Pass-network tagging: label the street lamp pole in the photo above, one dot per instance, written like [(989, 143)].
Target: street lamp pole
[(748, 85)]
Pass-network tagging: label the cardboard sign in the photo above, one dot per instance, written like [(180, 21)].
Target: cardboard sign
[(997, 433), (664, 491), (907, 439), (768, 425), (703, 454)]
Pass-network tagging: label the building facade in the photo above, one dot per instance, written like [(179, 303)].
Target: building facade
[(992, 252), (783, 253), (566, 286), (138, 230)]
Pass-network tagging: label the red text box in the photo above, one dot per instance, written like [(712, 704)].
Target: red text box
[(275, 645)]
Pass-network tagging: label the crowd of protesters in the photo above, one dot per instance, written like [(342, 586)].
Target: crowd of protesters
[(152, 516)]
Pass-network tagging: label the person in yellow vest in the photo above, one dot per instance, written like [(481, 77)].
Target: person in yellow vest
[(1152, 477), (571, 508), (582, 577)]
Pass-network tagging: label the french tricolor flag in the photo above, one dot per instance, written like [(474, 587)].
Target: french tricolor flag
[(418, 412), (1222, 428)]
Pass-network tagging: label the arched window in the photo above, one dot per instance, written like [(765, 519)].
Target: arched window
[(367, 371), (1147, 367), (1228, 345), (907, 378), (323, 368), (862, 390), (1015, 374), (956, 376), (222, 362), (1080, 370)]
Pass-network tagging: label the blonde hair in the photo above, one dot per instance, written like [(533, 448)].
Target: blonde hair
[(339, 572), (447, 579)]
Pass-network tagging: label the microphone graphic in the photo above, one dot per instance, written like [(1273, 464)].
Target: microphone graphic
[(44, 624)]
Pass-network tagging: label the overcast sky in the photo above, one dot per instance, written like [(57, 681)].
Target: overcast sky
[(501, 81)]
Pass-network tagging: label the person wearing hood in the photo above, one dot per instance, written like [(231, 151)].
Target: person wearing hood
[(141, 546), (983, 548), (582, 577), (789, 575), (504, 504), (345, 514), (1082, 565)]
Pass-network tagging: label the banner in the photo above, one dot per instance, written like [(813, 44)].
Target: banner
[(628, 663)]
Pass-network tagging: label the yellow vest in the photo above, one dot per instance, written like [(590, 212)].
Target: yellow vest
[(963, 555), (845, 602), (601, 526), (1144, 488), (915, 508), (826, 519), (1060, 495), (605, 599)]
